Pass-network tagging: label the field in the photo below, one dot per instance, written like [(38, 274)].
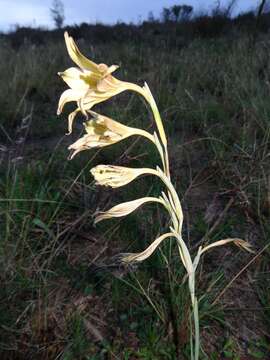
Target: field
[(64, 294)]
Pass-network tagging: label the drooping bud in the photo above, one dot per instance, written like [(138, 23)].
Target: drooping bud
[(117, 176), (125, 208)]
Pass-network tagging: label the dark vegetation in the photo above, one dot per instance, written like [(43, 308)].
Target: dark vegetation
[(63, 294), (151, 31)]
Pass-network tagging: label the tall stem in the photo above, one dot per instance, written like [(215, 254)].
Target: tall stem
[(196, 329), (176, 209)]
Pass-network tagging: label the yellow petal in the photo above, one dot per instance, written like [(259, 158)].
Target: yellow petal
[(108, 127), (78, 57), (117, 176), (103, 131), (71, 118), (137, 257), (67, 96), (105, 126), (111, 85), (78, 146), (111, 69), (74, 78), (91, 99), (125, 208), (108, 86), (90, 141)]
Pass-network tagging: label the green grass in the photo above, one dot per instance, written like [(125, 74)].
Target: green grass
[(214, 98)]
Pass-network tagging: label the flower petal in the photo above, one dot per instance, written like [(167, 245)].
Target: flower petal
[(92, 98), (106, 126), (78, 57), (102, 125), (74, 78), (117, 176), (67, 96), (71, 118), (111, 69), (90, 141), (103, 131), (124, 208), (111, 85), (137, 257)]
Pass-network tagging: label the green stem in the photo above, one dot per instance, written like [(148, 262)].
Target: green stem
[(196, 329)]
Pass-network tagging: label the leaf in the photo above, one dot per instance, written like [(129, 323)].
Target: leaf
[(238, 242)]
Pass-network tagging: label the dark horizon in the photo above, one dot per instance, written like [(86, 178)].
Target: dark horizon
[(37, 13)]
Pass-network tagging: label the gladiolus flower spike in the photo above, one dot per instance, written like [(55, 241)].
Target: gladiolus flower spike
[(89, 84)]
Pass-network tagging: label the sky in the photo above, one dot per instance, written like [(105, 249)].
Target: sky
[(37, 13)]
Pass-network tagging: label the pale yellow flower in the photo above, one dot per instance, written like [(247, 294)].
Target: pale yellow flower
[(117, 176), (103, 131), (125, 208), (89, 84), (138, 257)]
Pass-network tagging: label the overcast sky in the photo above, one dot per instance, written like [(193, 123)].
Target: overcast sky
[(36, 12)]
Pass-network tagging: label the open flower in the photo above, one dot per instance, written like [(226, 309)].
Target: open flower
[(89, 84), (103, 131), (117, 176)]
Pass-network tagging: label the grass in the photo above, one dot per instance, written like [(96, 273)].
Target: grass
[(62, 291)]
